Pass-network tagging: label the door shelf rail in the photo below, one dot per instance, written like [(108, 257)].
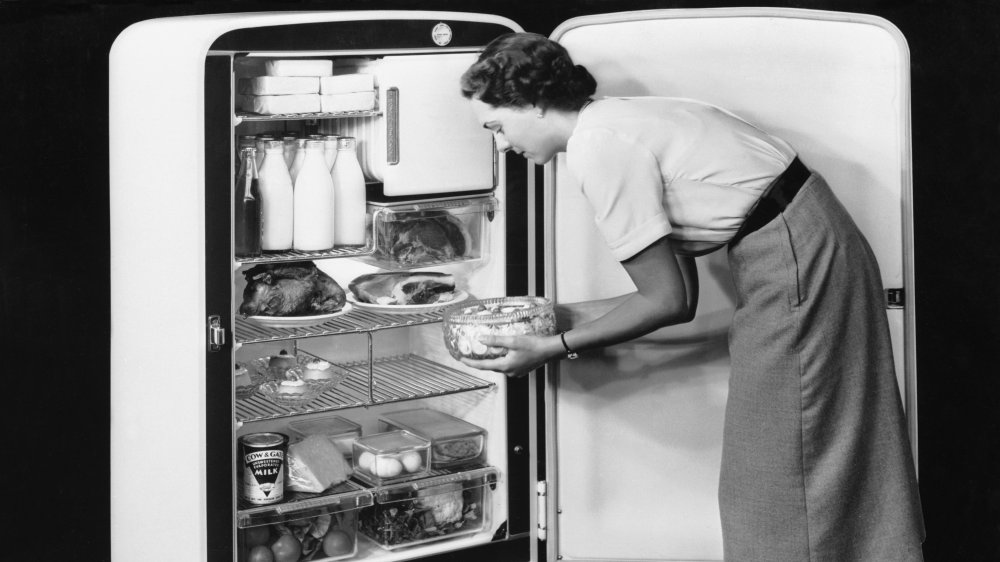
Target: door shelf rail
[(356, 321), (394, 379)]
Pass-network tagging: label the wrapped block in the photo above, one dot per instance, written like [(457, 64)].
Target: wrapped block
[(275, 105), (354, 101), (279, 85), (298, 67), (347, 83)]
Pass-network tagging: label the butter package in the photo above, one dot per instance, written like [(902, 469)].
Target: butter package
[(276, 105), (346, 83), (298, 67), (354, 101), (279, 85)]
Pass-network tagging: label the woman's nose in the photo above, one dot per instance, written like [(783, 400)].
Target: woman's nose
[(501, 142)]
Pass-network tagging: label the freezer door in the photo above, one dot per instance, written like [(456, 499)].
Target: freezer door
[(634, 433)]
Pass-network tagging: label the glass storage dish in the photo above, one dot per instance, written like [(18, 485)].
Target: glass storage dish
[(432, 509), (390, 457), (502, 316), (304, 527), (341, 431), (454, 442), (246, 379), (411, 235)]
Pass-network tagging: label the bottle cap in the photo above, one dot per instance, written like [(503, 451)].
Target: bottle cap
[(346, 143), (311, 143), (274, 145)]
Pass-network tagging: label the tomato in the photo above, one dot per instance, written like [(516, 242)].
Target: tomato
[(260, 553), (286, 549), (337, 542), (254, 536)]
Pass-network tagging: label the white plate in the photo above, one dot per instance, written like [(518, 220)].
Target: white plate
[(459, 297), (299, 321)]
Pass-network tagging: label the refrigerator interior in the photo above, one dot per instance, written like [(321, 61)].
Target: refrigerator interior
[(443, 151), (648, 440)]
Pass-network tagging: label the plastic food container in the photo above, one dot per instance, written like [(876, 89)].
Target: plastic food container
[(432, 509), (454, 442), (503, 316), (390, 457), (325, 527), (341, 431), (410, 235)]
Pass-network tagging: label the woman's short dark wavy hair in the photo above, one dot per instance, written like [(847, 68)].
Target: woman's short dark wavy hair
[(527, 69)]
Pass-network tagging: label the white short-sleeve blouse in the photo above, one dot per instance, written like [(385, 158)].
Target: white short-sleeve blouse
[(656, 166)]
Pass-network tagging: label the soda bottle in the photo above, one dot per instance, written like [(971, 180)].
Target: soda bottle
[(246, 209)]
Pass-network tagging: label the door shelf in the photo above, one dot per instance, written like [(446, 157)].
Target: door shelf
[(394, 379), (354, 322)]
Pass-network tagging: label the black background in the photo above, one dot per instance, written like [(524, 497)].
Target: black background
[(54, 266)]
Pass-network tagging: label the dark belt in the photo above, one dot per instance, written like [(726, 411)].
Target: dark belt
[(777, 197)]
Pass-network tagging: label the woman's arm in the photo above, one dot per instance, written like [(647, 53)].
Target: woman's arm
[(666, 294)]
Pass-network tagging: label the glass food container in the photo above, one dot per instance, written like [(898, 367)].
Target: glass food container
[(432, 509), (504, 316), (391, 457), (339, 430), (304, 527), (454, 442)]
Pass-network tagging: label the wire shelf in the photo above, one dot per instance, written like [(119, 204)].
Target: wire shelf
[(296, 255), (356, 321), (247, 116), (394, 379)]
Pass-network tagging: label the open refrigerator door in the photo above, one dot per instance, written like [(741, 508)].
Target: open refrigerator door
[(645, 443)]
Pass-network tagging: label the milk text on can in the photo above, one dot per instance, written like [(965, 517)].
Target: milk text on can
[(262, 458)]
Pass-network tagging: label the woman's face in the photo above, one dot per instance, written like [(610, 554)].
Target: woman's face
[(520, 130)]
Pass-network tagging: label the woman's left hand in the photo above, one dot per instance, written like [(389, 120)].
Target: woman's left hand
[(523, 354)]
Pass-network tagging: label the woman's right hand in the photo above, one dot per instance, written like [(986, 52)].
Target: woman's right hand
[(523, 354)]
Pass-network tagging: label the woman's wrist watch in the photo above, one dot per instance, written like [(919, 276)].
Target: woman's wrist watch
[(570, 354)]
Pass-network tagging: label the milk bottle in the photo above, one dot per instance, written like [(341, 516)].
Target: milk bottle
[(291, 146), (261, 145), (349, 187), (277, 198), (314, 201)]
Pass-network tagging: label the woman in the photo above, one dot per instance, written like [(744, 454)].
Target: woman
[(816, 463)]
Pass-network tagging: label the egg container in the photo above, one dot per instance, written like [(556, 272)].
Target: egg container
[(325, 526), (391, 456), (342, 432), (454, 442)]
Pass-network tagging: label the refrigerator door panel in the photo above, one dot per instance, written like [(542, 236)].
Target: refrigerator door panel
[(645, 442)]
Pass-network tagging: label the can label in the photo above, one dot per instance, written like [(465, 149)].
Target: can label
[(263, 465)]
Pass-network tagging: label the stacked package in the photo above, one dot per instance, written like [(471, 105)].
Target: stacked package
[(305, 86)]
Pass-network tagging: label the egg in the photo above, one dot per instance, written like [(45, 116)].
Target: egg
[(387, 467), (411, 461), (365, 461)]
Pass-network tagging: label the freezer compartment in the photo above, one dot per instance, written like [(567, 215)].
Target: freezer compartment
[(391, 456), (302, 88), (316, 526), (430, 233), (341, 431), (443, 506), (454, 442)]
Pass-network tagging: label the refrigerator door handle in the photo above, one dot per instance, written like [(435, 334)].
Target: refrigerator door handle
[(216, 333), (542, 505)]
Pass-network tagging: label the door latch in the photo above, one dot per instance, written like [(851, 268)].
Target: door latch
[(216, 333), (895, 297)]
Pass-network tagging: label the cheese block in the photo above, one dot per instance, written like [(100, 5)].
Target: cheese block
[(279, 85), (274, 105), (354, 101), (315, 464), (346, 83), (298, 67)]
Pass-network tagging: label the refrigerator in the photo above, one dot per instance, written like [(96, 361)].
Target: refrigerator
[(613, 456)]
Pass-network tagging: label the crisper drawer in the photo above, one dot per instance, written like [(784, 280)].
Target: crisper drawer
[(440, 507), (304, 527), (426, 233)]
